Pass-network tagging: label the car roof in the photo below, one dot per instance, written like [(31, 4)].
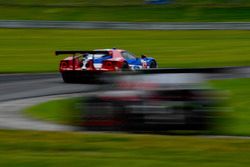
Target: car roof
[(113, 49)]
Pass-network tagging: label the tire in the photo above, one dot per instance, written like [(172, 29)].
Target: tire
[(153, 64), (125, 66), (67, 78)]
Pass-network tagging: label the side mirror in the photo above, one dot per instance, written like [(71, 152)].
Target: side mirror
[(143, 56)]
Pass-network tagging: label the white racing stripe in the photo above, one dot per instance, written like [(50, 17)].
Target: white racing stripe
[(98, 66)]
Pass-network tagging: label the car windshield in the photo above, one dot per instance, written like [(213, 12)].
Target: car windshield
[(127, 55)]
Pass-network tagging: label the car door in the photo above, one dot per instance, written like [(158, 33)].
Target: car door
[(133, 62)]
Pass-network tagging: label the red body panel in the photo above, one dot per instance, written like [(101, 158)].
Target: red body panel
[(73, 63)]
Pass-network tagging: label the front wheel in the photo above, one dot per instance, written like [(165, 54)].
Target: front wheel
[(153, 64)]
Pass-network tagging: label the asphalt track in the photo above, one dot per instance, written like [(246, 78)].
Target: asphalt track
[(20, 86), (18, 91), (125, 25)]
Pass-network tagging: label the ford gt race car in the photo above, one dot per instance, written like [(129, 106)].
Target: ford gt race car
[(85, 65)]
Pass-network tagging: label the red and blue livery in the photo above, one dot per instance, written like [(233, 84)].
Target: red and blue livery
[(84, 64)]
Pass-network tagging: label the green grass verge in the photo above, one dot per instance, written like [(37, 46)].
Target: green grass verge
[(81, 3), (131, 10), (32, 50), (64, 111), (20, 148), (127, 13), (233, 121), (237, 119)]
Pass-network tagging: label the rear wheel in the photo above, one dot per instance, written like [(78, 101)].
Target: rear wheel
[(125, 66), (66, 78)]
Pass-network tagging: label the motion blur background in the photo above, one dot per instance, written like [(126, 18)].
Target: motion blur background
[(31, 50)]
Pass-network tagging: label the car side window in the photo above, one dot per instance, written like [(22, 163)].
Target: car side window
[(128, 56)]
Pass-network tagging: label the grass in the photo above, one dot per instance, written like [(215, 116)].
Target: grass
[(120, 2), (129, 10), (127, 13), (58, 111), (20, 148), (237, 118), (32, 50)]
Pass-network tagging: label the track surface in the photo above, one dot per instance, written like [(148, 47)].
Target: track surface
[(19, 91), (126, 25), (11, 116), (20, 86)]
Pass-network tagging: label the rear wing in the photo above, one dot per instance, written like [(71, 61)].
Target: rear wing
[(80, 52)]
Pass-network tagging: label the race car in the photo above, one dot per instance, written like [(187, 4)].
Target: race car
[(84, 65), (151, 101)]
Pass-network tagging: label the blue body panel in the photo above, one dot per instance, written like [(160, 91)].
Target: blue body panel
[(137, 63), (100, 60)]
